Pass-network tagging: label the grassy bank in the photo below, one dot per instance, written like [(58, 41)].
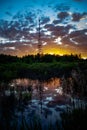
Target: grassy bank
[(37, 70)]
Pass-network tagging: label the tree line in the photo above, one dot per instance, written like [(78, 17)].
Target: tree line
[(39, 58)]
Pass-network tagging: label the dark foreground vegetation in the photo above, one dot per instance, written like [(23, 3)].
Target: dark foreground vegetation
[(13, 117), (75, 120), (39, 66)]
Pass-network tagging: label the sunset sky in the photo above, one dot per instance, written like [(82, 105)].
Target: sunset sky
[(63, 26)]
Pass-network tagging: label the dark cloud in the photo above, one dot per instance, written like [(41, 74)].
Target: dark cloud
[(81, 40), (75, 45), (63, 15), (30, 16), (66, 41), (76, 38), (13, 34), (58, 30), (27, 16), (78, 33), (56, 21), (3, 27), (49, 27), (45, 20), (18, 15), (17, 48), (19, 27), (78, 16)]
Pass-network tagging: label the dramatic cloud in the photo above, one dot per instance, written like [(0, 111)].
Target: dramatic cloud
[(78, 16), (81, 40), (76, 39), (78, 33), (62, 15), (56, 21), (45, 20)]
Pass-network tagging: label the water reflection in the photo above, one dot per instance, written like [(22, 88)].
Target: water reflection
[(23, 99), (51, 83), (48, 89)]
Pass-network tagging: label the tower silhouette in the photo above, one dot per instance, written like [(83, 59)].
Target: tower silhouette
[(39, 39)]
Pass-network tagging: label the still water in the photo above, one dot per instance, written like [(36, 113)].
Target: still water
[(32, 104)]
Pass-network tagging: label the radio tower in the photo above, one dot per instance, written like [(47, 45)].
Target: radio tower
[(39, 40)]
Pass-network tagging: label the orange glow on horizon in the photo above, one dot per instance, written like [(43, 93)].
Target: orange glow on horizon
[(52, 49)]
